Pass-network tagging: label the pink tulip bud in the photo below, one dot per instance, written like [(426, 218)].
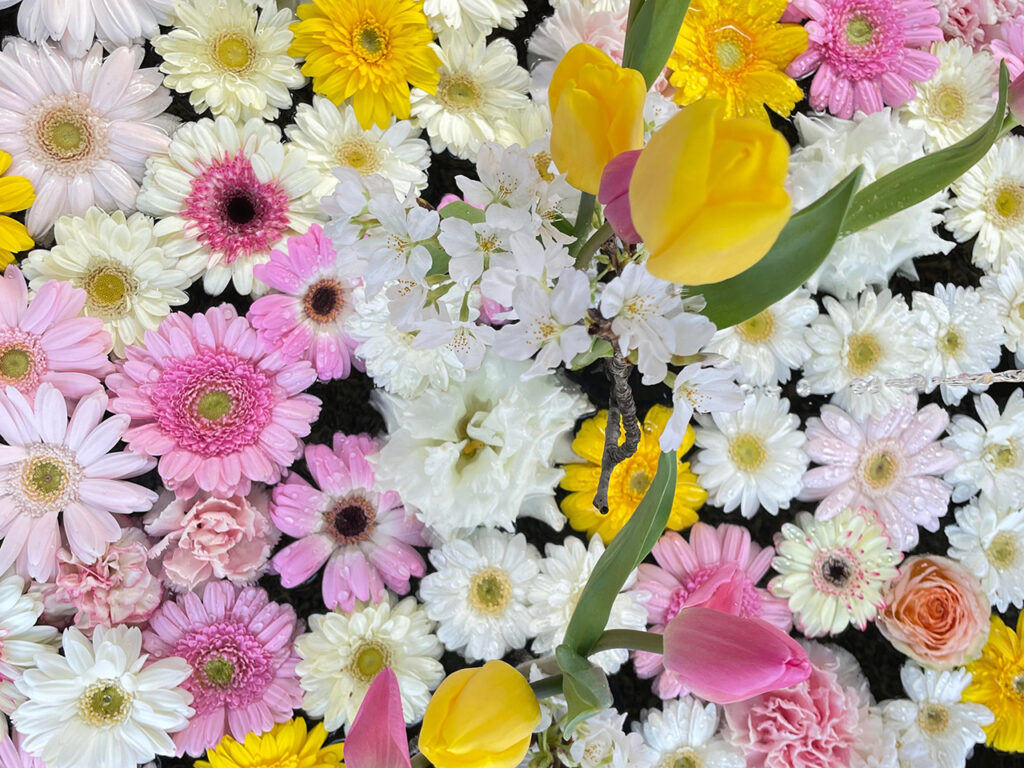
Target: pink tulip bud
[(1016, 98), (377, 738), (724, 658), (614, 195)]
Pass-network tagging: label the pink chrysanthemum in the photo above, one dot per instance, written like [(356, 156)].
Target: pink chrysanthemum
[(306, 320), (364, 535), (45, 340), (240, 648), (50, 466), (866, 52), (892, 465), (218, 409), (718, 568)]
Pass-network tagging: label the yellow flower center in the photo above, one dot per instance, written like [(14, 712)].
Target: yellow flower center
[(219, 672), (490, 591), (1008, 202), (730, 54), (879, 469), (948, 103), (543, 162), (951, 343), (234, 52), (369, 659), (639, 482), (360, 155), (46, 478), (1001, 456), (862, 353), (758, 328), (49, 479), (747, 452), (67, 134), (684, 757), (859, 31), (214, 405), (370, 41), (933, 718), (1002, 552), (105, 703), (459, 93), (15, 364)]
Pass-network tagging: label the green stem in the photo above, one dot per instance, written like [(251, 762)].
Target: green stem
[(547, 686), (629, 639), (599, 238), (584, 216), (419, 761), (1009, 123)]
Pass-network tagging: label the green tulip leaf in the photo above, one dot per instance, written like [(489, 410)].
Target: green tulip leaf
[(651, 36), (585, 687), (599, 348), (464, 211)]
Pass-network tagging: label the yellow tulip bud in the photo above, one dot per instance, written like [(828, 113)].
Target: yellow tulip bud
[(596, 113), (480, 718), (707, 194)]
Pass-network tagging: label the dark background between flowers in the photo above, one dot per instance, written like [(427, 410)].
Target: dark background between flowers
[(347, 408)]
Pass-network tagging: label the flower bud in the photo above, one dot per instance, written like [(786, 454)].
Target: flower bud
[(614, 195)]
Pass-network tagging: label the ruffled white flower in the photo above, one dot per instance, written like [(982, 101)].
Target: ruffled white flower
[(114, 22), (700, 389), (685, 732), (991, 453), (1004, 290), (342, 653), (22, 639), (989, 541), (600, 742), (474, 18)]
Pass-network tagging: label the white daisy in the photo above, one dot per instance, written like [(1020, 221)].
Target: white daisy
[(833, 571), (991, 453), (477, 593), (685, 732), (129, 280), (101, 703), (114, 22), (24, 639), (553, 594), (474, 18), (342, 653), (989, 541), (752, 457), (1004, 290), (231, 58), (600, 741)]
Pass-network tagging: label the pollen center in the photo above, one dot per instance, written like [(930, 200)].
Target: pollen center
[(758, 328), (219, 671), (863, 353), (458, 93), (747, 452), (370, 42), (352, 519), (234, 53), (214, 405), (1008, 203), (859, 31), (359, 154), (1002, 552), (105, 703), (14, 364), (490, 590), (323, 301), (879, 469), (949, 103), (369, 659), (933, 718), (730, 55), (1001, 456), (951, 342)]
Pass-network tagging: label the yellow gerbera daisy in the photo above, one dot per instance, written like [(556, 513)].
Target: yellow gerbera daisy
[(736, 51), (286, 745), (629, 480), (997, 681), (369, 51), (15, 195)]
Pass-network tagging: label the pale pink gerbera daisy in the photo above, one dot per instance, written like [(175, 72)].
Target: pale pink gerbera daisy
[(718, 568), (892, 465), (306, 320), (44, 340), (240, 648), (364, 535), (218, 409), (51, 465), (75, 24), (866, 52)]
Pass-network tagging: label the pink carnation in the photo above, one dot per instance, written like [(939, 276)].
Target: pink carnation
[(974, 21), (219, 410), (204, 538)]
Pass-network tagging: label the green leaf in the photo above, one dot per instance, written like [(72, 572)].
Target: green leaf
[(802, 245), (627, 550), (927, 175), (464, 211), (651, 36), (439, 257), (585, 687), (598, 348)]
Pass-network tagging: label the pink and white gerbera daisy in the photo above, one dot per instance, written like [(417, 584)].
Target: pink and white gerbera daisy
[(75, 25), (866, 52), (718, 568), (892, 465), (364, 535), (306, 320), (240, 648), (50, 466), (218, 409), (44, 340)]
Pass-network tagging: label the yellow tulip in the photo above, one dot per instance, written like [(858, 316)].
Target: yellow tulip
[(707, 194), (596, 113), (480, 718)]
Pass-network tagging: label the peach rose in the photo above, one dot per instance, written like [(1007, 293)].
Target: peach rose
[(936, 612)]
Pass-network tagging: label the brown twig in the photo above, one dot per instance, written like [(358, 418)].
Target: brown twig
[(620, 405)]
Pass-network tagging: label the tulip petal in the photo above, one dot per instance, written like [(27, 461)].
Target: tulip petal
[(377, 737)]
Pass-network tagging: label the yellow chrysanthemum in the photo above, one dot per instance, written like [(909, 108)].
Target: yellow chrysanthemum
[(15, 195), (736, 51), (997, 681), (629, 480), (286, 745), (369, 51)]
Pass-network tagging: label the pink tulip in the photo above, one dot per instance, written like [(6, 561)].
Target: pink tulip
[(1016, 98), (614, 195), (724, 658), (377, 738)]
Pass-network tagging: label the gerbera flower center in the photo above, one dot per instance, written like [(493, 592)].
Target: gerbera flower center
[(370, 41), (758, 328), (360, 155), (835, 570), (214, 405), (879, 469), (1002, 552), (109, 289), (368, 659), (105, 703), (933, 718), (1018, 685), (639, 481), (459, 93), (66, 134), (1008, 203), (22, 359), (219, 672), (951, 342), (323, 301), (231, 665), (859, 30), (234, 52), (685, 757), (747, 452), (240, 209), (731, 50), (948, 103), (862, 353), (1001, 456), (14, 364), (490, 590), (351, 519), (49, 479)]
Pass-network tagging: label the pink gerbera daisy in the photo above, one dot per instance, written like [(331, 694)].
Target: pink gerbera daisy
[(51, 465), (364, 535), (892, 465), (45, 339), (306, 320), (240, 648), (218, 409), (718, 568), (866, 52)]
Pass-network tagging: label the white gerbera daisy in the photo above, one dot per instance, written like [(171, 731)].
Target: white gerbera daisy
[(129, 281), (477, 593), (832, 571), (1004, 290), (752, 457), (231, 58), (22, 640), (342, 653), (332, 137), (596, 5), (74, 25), (989, 541), (227, 195), (553, 594), (991, 453), (685, 732), (481, 84), (101, 703), (474, 18), (873, 338)]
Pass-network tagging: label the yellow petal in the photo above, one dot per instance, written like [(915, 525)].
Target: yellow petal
[(14, 236), (16, 193)]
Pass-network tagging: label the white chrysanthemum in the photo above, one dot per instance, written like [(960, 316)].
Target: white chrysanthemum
[(958, 99), (482, 452), (1004, 290), (564, 572), (22, 640), (600, 742), (101, 703), (770, 344), (332, 137), (832, 571), (831, 149), (936, 727), (874, 337), (684, 732), (991, 453), (342, 653), (75, 24), (129, 280), (989, 203), (481, 84), (231, 58), (477, 593), (752, 457), (474, 18), (989, 541)]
